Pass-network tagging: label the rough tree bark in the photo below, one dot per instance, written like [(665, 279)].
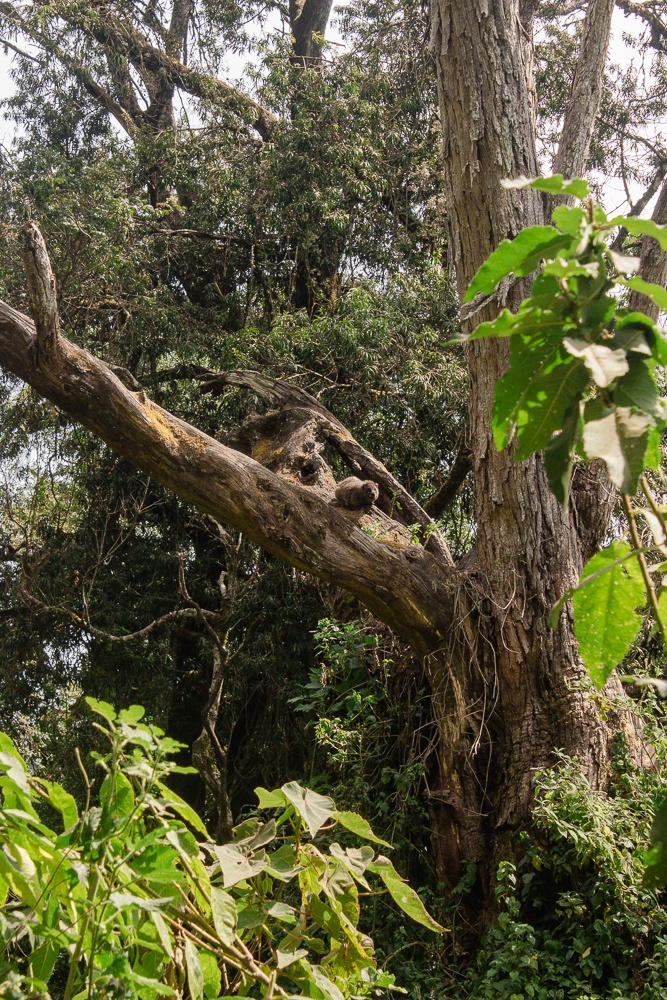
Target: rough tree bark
[(524, 680)]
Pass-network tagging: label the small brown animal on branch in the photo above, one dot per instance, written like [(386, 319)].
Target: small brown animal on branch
[(355, 493)]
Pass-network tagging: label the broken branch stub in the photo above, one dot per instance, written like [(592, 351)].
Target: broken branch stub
[(41, 295)]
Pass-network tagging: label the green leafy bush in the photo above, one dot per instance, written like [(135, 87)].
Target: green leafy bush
[(127, 902)]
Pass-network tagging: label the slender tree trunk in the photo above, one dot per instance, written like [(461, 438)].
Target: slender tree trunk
[(515, 695)]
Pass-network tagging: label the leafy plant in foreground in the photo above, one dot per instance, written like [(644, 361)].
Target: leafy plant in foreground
[(127, 901), (582, 382)]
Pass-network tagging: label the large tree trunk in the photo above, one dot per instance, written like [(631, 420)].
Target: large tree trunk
[(520, 696)]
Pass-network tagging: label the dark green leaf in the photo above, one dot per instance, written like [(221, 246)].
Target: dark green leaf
[(559, 455)]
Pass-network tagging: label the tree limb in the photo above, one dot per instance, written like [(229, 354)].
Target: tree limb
[(652, 261), (405, 586), (584, 102), (359, 459)]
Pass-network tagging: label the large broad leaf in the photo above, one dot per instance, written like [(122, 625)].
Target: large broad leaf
[(605, 616), (403, 895), (542, 403), (642, 227), (212, 977), (236, 864), (529, 357), (519, 256), (223, 911), (620, 439), (270, 800), (559, 455), (357, 824), (63, 802), (315, 810)]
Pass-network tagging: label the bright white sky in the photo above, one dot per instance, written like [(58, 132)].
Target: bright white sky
[(615, 199)]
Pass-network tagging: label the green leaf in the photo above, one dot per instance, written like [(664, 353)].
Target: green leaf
[(403, 895), (559, 455), (163, 933), (620, 439), (194, 970), (130, 716), (357, 824), (270, 800), (529, 357), (555, 184), (102, 708), (642, 227), (544, 403), (654, 292), (569, 220), (223, 911), (43, 960), (637, 389), (519, 256), (212, 977), (314, 809), (63, 802), (182, 808), (117, 794), (237, 865), (285, 958), (605, 619)]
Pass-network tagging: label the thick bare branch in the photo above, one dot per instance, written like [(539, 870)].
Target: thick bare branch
[(584, 102), (398, 500), (402, 584)]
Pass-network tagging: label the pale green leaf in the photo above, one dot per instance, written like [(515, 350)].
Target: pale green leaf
[(270, 800), (237, 865), (604, 364), (314, 809), (285, 958), (102, 708), (620, 440), (182, 808), (223, 910), (555, 184)]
